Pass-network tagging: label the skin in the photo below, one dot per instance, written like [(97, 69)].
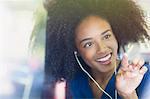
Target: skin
[(95, 40), (129, 77)]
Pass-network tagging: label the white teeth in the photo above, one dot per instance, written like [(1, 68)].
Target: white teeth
[(104, 58)]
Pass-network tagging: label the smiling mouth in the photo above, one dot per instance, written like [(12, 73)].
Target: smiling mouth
[(105, 60)]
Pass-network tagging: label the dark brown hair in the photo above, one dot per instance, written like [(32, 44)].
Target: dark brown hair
[(125, 17)]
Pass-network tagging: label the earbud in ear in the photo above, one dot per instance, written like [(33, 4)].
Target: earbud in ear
[(75, 52)]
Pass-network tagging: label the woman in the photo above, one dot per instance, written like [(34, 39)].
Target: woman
[(82, 47)]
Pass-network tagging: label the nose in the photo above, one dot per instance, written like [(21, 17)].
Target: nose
[(101, 46)]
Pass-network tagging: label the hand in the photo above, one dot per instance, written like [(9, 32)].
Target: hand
[(60, 90), (130, 76)]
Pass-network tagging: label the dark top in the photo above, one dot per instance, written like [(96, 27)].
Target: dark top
[(79, 86)]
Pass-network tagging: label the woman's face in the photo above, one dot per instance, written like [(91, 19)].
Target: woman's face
[(96, 44)]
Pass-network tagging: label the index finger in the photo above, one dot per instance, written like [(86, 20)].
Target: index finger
[(124, 61)]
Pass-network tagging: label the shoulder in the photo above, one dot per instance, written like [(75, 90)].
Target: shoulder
[(77, 86), (79, 78)]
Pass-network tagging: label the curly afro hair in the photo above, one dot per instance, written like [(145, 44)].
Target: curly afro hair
[(125, 17)]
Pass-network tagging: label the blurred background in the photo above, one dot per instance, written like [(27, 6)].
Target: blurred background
[(22, 43)]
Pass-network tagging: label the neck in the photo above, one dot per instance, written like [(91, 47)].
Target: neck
[(103, 77)]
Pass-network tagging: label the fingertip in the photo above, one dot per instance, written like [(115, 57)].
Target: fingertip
[(135, 61), (125, 59), (143, 70), (138, 61), (142, 61), (125, 55)]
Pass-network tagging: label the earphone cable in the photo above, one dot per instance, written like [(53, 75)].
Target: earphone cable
[(100, 88)]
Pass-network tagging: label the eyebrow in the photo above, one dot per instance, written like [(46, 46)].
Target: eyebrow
[(103, 33)]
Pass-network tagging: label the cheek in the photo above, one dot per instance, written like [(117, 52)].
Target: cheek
[(87, 54), (87, 58), (115, 49)]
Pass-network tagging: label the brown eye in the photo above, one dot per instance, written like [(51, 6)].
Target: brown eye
[(89, 44), (107, 36)]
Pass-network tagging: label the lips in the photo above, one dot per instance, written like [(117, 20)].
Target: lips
[(105, 60)]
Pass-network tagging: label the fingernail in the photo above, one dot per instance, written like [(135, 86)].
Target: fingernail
[(125, 54)]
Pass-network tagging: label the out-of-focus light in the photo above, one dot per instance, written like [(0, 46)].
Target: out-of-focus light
[(15, 30), (34, 63), (7, 88)]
